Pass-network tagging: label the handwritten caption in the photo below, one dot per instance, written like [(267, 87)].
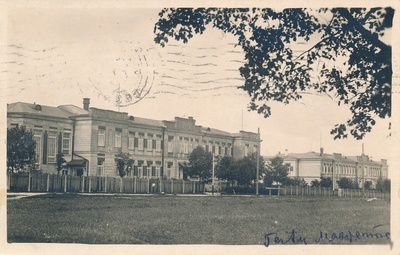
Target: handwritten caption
[(295, 237)]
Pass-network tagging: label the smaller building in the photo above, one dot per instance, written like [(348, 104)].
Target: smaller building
[(312, 165)]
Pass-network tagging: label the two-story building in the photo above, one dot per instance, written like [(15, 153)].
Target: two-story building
[(91, 138), (312, 165)]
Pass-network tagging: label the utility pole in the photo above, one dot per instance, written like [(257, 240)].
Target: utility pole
[(258, 160), (213, 170)]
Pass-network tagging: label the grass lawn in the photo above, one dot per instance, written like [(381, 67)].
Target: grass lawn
[(74, 218)]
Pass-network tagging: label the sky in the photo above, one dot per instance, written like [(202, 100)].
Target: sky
[(61, 56)]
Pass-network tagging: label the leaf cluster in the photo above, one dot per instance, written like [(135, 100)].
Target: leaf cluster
[(349, 62)]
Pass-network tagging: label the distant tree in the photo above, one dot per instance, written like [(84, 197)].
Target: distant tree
[(349, 62), (277, 172), (20, 149), (200, 164), (326, 182), (383, 184), (346, 183), (60, 160), (315, 183), (294, 181), (247, 169), (367, 185), (124, 163), (226, 169), (386, 185)]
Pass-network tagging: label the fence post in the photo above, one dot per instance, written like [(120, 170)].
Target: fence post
[(105, 184), (121, 186), (83, 184), (134, 186), (9, 181), (65, 183), (89, 184), (47, 182), (183, 186), (172, 186), (148, 185), (29, 182)]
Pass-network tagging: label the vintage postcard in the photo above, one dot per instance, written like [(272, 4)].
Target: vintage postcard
[(207, 128)]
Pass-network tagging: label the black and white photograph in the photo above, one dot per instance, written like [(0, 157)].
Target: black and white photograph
[(229, 128)]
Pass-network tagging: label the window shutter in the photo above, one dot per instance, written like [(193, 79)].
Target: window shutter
[(45, 147), (59, 143)]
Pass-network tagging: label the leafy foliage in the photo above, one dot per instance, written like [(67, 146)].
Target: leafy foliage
[(349, 62), (324, 182), (346, 183), (124, 163), (227, 169), (60, 160), (247, 169), (20, 148), (200, 164), (367, 185), (277, 172), (383, 185)]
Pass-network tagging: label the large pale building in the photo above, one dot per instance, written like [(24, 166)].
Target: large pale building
[(90, 139), (312, 165)]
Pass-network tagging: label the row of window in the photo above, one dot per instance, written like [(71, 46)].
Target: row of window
[(349, 170), (49, 143), (149, 143), (139, 170)]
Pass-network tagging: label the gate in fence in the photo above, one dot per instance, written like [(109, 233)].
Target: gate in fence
[(96, 184)]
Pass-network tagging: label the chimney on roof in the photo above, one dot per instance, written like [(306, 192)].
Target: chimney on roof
[(321, 151), (86, 103)]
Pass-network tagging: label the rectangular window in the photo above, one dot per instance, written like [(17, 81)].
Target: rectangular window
[(140, 171), (219, 150), (158, 145), (153, 171), (136, 142), (135, 171), (213, 149), (118, 139), (140, 144), (149, 144), (207, 148), (170, 147), (101, 137), (154, 144), (52, 147), (145, 143), (131, 142), (66, 138), (37, 136), (185, 148), (144, 171), (100, 166)]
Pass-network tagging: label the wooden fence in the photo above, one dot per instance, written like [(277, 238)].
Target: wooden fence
[(319, 191), (96, 184)]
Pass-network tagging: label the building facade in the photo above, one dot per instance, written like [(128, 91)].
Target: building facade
[(312, 165), (90, 140)]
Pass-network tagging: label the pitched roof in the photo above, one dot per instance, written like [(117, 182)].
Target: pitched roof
[(214, 131), (315, 155), (75, 110), (148, 122), (36, 109)]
